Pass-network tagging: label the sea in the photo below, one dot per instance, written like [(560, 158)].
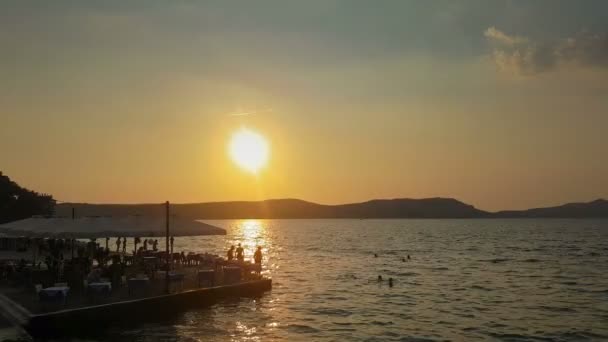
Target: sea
[(465, 280)]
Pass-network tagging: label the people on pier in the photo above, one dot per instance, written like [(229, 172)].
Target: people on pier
[(155, 245), (230, 254), (257, 256), (240, 253), (145, 244), (117, 245), (124, 245)]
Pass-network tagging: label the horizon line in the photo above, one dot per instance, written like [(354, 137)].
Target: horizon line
[(329, 205)]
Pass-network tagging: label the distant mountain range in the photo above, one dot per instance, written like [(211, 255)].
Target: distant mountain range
[(298, 209)]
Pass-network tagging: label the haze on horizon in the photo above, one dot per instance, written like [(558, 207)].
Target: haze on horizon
[(502, 104)]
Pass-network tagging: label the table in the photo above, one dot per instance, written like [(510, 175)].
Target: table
[(54, 292), (207, 276), (138, 283), (151, 259), (232, 274), (100, 287), (174, 277)]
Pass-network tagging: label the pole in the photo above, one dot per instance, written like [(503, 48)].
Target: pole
[(167, 246)]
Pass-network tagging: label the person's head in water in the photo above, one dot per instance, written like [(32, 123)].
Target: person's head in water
[(403, 259), (375, 255), (379, 278), (408, 257), (390, 282)]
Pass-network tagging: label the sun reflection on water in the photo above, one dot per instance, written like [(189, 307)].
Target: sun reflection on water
[(251, 234)]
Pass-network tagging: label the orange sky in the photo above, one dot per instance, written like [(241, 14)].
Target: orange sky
[(128, 104)]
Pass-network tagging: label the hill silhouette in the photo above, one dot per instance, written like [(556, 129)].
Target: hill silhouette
[(597, 208), (299, 209), (289, 208), (17, 203)]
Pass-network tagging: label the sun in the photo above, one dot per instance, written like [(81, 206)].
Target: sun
[(249, 150)]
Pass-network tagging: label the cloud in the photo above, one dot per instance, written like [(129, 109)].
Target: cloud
[(493, 34), (523, 56)]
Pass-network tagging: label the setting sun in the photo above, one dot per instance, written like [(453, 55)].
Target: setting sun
[(249, 150)]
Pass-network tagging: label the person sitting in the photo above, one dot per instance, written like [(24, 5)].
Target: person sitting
[(240, 253)]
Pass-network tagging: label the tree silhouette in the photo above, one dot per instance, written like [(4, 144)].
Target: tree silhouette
[(18, 203)]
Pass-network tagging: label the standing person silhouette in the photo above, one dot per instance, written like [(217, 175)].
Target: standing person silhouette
[(117, 245), (257, 256), (124, 245), (230, 254), (240, 253)]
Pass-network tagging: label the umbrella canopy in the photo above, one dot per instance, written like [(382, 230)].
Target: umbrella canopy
[(95, 227)]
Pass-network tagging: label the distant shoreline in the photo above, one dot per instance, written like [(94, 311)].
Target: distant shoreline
[(403, 208)]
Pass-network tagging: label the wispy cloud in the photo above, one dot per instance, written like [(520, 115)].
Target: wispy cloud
[(524, 56)]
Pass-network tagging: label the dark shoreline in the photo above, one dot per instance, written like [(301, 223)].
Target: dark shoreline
[(430, 208)]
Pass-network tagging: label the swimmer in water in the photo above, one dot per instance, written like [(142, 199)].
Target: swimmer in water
[(379, 278), (390, 282)]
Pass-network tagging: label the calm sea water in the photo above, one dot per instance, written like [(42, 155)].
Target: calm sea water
[(510, 280)]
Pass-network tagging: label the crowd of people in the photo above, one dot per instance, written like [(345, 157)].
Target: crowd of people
[(240, 254), (72, 261)]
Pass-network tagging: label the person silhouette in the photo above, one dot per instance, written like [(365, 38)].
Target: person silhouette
[(257, 256), (230, 254), (240, 253)]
